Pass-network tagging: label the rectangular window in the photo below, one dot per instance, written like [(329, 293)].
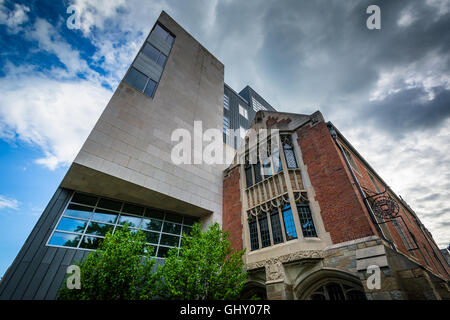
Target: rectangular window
[(289, 152), (254, 244), (264, 230), (248, 175), (226, 102), (276, 227), (243, 112), (87, 219), (306, 221), (226, 125), (257, 106), (257, 172), (289, 224)]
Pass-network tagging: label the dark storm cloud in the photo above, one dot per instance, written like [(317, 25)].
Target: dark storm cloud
[(409, 109)]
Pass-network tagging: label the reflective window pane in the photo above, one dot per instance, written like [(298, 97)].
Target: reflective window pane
[(131, 220), (77, 211), (136, 79), (162, 59), (84, 199), (131, 208), (264, 230), (189, 220), (65, 239), (151, 224), (169, 240), (73, 225), (169, 40), (171, 228), (187, 229), (289, 224), (254, 244), (174, 218), (151, 237), (99, 229), (160, 32), (276, 227), (101, 215), (109, 204), (151, 52), (151, 213), (163, 252), (150, 89), (90, 242)]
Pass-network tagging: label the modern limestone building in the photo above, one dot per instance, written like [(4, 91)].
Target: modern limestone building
[(314, 217), (308, 228)]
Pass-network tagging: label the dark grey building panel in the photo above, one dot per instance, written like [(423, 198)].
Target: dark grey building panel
[(38, 270)]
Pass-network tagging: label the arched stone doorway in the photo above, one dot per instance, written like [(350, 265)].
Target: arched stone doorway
[(329, 284), (254, 289)]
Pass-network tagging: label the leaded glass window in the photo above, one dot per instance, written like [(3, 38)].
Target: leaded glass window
[(248, 175), (289, 224), (264, 230), (289, 152), (257, 171), (306, 221), (253, 228), (276, 227)]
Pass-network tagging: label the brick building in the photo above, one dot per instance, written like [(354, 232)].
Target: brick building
[(312, 228)]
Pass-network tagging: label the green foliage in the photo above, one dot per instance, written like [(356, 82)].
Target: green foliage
[(207, 268), (121, 269)]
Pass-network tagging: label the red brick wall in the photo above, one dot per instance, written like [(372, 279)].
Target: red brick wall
[(231, 209), (343, 212), (408, 219)]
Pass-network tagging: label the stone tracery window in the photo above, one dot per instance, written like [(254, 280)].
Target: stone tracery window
[(336, 291)]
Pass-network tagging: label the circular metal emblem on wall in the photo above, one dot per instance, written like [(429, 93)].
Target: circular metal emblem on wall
[(383, 205)]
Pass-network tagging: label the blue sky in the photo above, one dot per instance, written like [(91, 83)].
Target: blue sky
[(388, 91)]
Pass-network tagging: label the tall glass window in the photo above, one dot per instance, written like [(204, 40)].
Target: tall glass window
[(264, 230), (289, 152), (248, 175), (253, 228), (276, 227), (257, 171), (306, 221), (87, 219), (289, 224), (226, 102)]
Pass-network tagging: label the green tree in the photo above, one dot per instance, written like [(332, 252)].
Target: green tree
[(120, 269), (206, 269)]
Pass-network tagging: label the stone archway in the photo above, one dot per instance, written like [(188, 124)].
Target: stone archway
[(254, 289), (329, 284)]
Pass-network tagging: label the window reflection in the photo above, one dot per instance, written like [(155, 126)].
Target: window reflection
[(289, 224)]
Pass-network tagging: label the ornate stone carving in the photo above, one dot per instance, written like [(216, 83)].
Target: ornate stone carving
[(274, 270), (272, 265)]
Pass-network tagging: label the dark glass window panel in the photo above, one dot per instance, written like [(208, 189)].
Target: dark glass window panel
[(174, 218), (355, 295), (163, 252), (254, 244), (99, 229), (77, 211), (101, 215), (109, 204), (151, 52), (131, 208), (160, 32), (257, 170), (151, 237), (189, 220), (170, 227), (84, 199), (162, 59), (150, 88), (267, 169), (151, 224), (130, 220), (187, 230), (65, 239), (289, 224), (335, 292), (264, 230), (169, 240), (73, 225), (90, 242), (152, 213), (248, 176), (136, 79), (277, 161), (276, 227), (306, 221)]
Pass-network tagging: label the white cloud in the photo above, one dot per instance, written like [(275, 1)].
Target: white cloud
[(15, 18), (10, 203)]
